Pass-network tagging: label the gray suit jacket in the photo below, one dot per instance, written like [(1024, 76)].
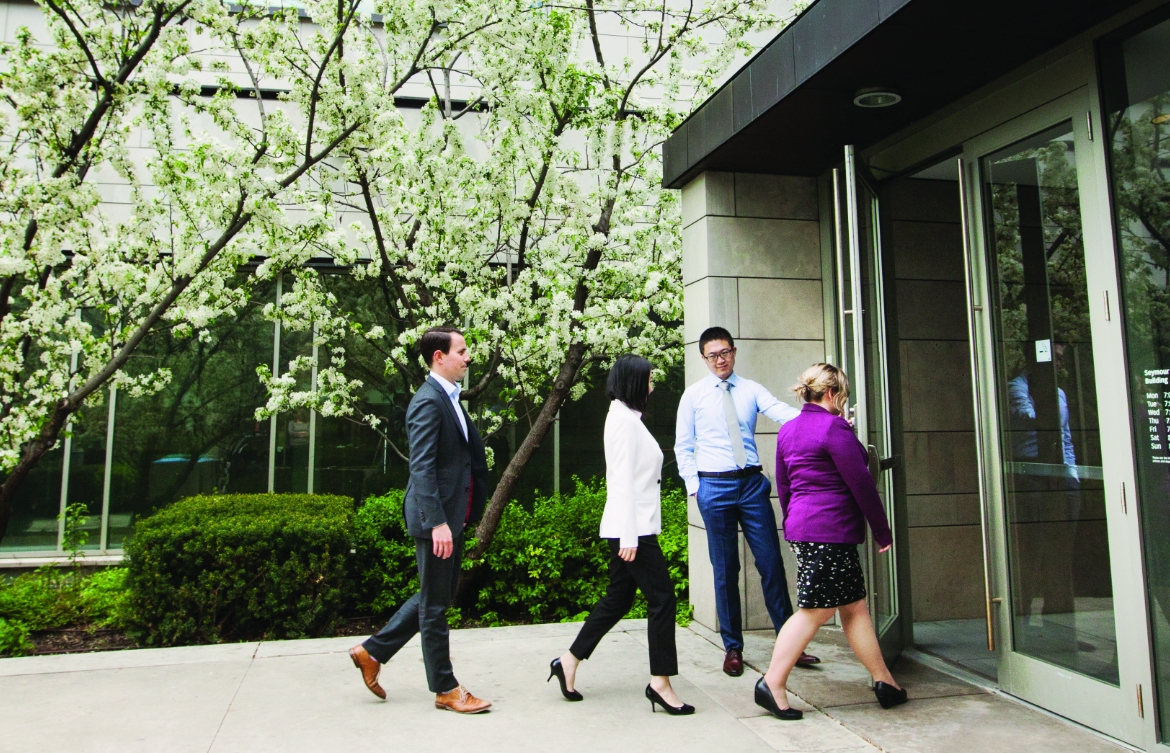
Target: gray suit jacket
[(443, 465)]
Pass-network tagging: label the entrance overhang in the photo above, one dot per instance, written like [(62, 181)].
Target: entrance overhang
[(790, 109)]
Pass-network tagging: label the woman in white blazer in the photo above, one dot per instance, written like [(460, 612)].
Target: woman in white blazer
[(630, 524)]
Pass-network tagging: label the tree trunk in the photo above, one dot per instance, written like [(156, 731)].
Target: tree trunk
[(566, 378)]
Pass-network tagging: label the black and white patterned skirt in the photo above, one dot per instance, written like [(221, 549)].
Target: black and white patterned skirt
[(827, 575)]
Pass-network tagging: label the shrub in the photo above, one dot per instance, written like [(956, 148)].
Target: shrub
[(547, 564), (239, 567), (381, 569)]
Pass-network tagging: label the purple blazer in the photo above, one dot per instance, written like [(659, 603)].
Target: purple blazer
[(823, 481)]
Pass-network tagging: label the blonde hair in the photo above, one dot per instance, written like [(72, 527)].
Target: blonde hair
[(818, 379)]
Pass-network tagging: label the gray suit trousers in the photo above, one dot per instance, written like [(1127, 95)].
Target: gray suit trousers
[(426, 613)]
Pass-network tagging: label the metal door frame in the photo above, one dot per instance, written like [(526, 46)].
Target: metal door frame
[(848, 250), (1113, 710)]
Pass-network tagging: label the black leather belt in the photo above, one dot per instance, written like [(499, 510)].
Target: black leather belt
[(751, 470)]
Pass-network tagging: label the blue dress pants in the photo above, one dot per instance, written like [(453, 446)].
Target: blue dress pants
[(727, 505)]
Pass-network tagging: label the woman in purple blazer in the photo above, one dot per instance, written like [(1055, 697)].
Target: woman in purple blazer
[(827, 496)]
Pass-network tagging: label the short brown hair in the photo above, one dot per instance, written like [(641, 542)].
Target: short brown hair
[(818, 379), (436, 338)]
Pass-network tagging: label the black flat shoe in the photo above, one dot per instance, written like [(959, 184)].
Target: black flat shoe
[(555, 669), (765, 700), (684, 710), (889, 696)]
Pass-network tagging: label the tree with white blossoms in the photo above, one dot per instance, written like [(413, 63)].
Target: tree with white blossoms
[(532, 216), (213, 185)]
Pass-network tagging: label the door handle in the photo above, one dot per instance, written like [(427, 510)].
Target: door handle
[(974, 308)]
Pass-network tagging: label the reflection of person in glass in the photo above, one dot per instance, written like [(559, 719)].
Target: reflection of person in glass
[(1046, 485), (1025, 444)]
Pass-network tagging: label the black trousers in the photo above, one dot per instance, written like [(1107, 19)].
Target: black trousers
[(649, 573), (426, 613)]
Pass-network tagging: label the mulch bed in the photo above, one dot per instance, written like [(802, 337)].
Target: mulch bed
[(80, 640)]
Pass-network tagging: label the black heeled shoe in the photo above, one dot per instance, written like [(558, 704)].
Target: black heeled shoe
[(684, 710), (556, 670), (888, 695), (765, 699)]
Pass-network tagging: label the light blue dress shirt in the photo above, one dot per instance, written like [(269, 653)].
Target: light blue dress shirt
[(1023, 412), (701, 440)]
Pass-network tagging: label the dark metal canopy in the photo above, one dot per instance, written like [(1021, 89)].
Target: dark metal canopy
[(790, 110)]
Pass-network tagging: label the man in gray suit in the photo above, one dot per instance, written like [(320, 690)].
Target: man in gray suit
[(446, 492)]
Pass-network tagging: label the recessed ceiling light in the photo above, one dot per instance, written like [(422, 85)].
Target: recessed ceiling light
[(878, 96)]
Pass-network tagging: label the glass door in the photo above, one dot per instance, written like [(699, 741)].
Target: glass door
[(863, 355), (1044, 356)]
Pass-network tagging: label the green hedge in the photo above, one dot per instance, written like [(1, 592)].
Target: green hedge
[(381, 570), (547, 563), (239, 567)]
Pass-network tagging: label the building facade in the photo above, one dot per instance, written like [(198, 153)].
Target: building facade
[(967, 205)]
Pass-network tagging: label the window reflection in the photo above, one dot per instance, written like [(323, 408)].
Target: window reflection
[(198, 435), (1062, 594), (350, 456), (1136, 73), (33, 525)]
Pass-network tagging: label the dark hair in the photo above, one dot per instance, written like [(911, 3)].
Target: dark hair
[(715, 333), (436, 338), (629, 381)]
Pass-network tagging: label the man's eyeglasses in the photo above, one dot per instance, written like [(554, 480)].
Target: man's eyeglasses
[(722, 355)]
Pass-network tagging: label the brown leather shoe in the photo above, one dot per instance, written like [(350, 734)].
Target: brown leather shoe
[(807, 660), (461, 701), (370, 669), (733, 662)]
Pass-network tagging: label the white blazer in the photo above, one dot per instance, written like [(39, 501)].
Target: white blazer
[(633, 478)]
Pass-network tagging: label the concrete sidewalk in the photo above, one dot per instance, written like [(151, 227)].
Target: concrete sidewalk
[(307, 696)]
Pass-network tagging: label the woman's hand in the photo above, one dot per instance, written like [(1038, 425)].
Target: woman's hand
[(628, 553), (885, 549)]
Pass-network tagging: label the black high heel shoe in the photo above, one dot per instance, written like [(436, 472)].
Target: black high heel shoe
[(556, 670), (888, 695), (765, 699), (684, 710)]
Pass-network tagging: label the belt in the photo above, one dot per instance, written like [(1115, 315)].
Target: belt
[(751, 470)]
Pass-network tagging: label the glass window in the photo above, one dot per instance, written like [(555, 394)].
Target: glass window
[(1062, 593), (1136, 78), (33, 525), (199, 434), (350, 457), (293, 429)]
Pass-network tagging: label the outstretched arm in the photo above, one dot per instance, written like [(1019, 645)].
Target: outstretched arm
[(852, 463), (774, 408)]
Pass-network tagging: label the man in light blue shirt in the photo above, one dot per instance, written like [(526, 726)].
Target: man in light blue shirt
[(715, 449)]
